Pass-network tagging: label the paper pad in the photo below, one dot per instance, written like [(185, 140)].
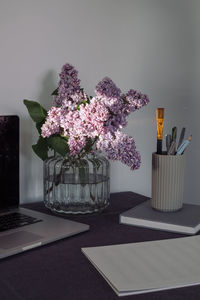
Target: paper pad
[(148, 266)]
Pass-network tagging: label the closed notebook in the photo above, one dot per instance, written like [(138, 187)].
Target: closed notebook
[(186, 220)]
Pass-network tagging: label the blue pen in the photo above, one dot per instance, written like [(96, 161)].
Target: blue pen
[(183, 146)]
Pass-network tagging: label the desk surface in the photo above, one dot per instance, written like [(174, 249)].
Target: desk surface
[(60, 271)]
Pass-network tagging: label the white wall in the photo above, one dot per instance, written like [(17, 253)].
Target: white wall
[(141, 44), (192, 176)]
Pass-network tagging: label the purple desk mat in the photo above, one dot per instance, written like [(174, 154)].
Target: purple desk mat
[(59, 271)]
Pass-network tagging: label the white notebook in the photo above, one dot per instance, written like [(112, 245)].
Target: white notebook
[(148, 266)]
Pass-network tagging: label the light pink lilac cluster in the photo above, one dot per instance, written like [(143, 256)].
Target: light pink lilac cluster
[(100, 119)]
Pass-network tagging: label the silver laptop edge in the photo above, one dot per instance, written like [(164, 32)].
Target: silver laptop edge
[(50, 228)]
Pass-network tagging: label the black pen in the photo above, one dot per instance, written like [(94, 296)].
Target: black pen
[(181, 137)]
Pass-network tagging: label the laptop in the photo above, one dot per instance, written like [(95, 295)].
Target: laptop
[(23, 229)]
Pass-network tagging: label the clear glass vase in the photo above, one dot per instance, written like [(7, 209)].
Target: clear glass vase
[(77, 187)]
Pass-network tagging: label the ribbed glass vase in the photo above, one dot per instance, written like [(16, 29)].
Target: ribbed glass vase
[(77, 187)]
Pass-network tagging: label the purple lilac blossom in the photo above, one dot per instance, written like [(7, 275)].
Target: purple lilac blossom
[(57, 101), (134, 100), (127, 103), (76, 144), (120, 106), (68, 86), (101, 118), (120, 147), (109, 93), (107, 89)]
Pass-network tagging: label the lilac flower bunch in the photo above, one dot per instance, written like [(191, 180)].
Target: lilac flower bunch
[(88, 123)]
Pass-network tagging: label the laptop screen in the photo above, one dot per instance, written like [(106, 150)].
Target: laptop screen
[(9, 161)]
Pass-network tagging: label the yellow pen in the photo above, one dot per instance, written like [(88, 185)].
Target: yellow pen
[(160, 122)]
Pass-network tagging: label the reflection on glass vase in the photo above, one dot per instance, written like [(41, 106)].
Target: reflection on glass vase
[(77, 187)]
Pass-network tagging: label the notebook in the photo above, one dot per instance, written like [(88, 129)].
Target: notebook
[(22, 229), (186, 220), (144, 267)]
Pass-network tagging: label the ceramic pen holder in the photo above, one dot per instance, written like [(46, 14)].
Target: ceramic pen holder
[(167, 182)]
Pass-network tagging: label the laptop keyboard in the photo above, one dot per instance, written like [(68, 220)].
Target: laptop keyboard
[(15, 220)]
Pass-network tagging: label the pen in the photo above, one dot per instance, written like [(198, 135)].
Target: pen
[(183, 146), (160, 121), (168, 141), (172, 148), (181, 137), (174, 133)]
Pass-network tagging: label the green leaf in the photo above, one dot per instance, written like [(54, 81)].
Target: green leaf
[(41, 148), (82, 102), (59, 144), (55, 92), (36, 111)]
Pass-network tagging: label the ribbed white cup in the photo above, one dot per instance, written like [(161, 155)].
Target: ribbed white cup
[(167, 182)]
